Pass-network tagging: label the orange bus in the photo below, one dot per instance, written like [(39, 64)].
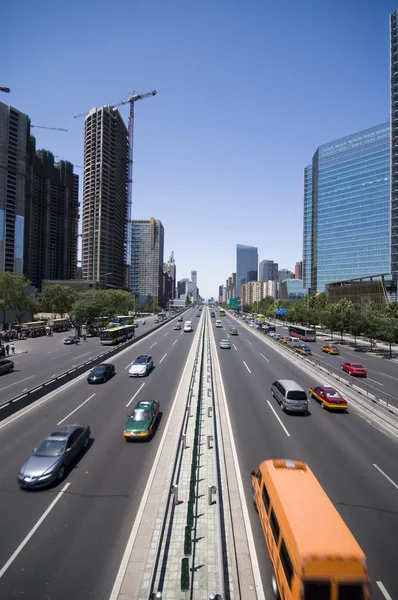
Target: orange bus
[(313, 553)]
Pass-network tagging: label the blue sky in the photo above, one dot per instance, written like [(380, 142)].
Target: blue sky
[(246, 93)]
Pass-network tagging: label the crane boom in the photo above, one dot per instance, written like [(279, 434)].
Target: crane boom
[(53, 128)]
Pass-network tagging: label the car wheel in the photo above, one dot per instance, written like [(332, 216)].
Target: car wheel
[(85, 444), (61, 473), (282, 407), (322, 405), (275, 587), (10, 369), (255, 504)]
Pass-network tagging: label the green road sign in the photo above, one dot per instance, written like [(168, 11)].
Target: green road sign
[(234, 303)]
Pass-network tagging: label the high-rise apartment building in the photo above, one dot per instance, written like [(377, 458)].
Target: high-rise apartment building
[(307, 227), (246, 261), (105, 197), (171, 270), (14, 136), (51, 218), (298, 270), (147, 248), (350, 209), (268, 271)]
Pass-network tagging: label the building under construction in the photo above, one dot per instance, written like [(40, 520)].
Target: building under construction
[(105, 197)]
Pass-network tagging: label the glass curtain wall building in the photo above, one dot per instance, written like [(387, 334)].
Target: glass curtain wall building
[(394, 142), (307, 221), (246, 261), (350, 209)]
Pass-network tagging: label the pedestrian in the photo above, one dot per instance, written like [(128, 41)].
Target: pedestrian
[(7, 350), (84, 337), (13, 348)]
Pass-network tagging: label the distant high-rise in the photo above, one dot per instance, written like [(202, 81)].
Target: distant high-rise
[(14, 136), (51, 223), (171, 270), (350, 209), (105, 198), (147, 248), (298, 270), (307, 226), (268, 271), (246, 260), (194, 279), (394, 142)]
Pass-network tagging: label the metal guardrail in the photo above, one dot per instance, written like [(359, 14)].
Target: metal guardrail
[(172, 496), (28, 397)]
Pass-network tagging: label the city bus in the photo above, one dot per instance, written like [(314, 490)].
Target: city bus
[(260, 319), (116, 335), (313, 553), (304, 333), (60, 324), (222, 312), (34, 328), (123, 319)]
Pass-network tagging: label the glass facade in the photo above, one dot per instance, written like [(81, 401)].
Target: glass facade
[(351, 208), (292, 289), (307, 224), (246, 260), (394, 143)]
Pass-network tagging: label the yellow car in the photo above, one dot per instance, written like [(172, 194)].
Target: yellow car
[(330, 349), (283, 340), (303, 350), (233, 331)]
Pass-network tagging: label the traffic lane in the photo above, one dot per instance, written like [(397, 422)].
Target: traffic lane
[(340, 448), (47, 357), (25, 432), (382, 372)]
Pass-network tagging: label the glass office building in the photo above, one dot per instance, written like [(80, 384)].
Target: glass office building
[(350, 209), (246, 261), (394, 141), (307, 221), (292, 289)]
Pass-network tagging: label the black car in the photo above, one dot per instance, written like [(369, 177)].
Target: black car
[(101, 373)]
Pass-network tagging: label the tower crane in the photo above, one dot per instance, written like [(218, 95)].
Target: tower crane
[(132, 100), (53, 128), (64, 159), (6, 90)]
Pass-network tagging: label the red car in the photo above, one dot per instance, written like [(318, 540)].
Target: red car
[(180, 319), (328, 397), (353, 368)]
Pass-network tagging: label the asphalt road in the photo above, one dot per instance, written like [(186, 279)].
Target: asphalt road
[(342, 450), (48, 356), (76, 551)]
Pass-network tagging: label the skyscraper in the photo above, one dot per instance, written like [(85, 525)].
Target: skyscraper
[(246, 260), (147, 248), (298, 270), (307, 226), (51, 223), (171, 270), (194, 278), (268, 271), (394, 142), (105, 198), (14, 136), (350, 208)]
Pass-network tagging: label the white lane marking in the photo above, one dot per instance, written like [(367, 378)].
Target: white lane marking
[(181, 332), (153, 345), (165, 335), (15, 383), (250, 343), (386, 476), (59, 355), (264, 357), (162, 359), (374, 381), (135, 395), (131, 541), (52, 351), (277, 416), (80, 355), (383, 590), (73, 411), (228, 336), (33, 530), (246, 366), (390, 376), (234, 346), (175, 341), (246, 518)]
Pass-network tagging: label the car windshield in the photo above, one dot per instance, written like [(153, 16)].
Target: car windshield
[(356, 366), (141, 415), (140, 360), (51, 448), (98, 370)]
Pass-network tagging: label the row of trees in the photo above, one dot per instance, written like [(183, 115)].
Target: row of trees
[(62, 299), (369, 320)]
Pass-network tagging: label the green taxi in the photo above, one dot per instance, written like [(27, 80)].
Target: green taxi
[(141, 422)]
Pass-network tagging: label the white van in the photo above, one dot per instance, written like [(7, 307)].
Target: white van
[(187, 326), (295, 342), (218, 323)]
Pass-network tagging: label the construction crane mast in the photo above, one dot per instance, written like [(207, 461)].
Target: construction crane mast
[(53, 128)]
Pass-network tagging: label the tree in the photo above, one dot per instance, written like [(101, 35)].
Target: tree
[(89, 305), (329, 317), (58, 299), (119, 302), (388, 330), (187, 301), (356, 322), (13, 289), (372, 322), (343, 310)]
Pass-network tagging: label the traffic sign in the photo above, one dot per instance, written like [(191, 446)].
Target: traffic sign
[(234, 303), (281, 311)]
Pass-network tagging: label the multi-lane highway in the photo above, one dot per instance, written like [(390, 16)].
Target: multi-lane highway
[(75, 552), (46, 356), (356, 464)]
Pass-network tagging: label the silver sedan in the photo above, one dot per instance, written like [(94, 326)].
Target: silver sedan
[(50, 460)]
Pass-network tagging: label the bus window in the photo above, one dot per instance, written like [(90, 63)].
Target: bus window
[(266, 499), (274, 526), (286, 563), (317, 590)]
